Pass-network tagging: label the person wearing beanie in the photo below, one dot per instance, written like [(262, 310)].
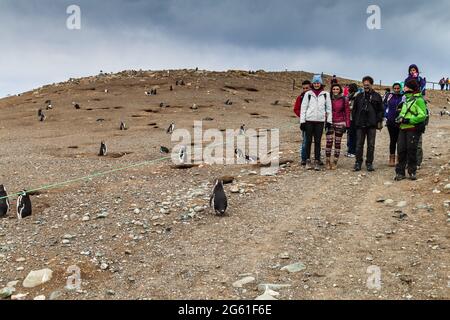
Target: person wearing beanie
[(414, 73), (391, 112), (315, 112), (368, 117), (341, 122), (306, 86), (412, 124)]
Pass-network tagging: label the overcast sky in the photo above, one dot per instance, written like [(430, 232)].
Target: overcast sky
[(36, 48)]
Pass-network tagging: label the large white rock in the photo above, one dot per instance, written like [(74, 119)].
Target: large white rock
[(36, 278)]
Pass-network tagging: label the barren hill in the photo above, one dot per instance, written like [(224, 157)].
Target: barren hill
[(146, 232)]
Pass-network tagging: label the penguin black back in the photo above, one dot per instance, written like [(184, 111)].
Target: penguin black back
[(218, 198), (24, 206), (103, 149), (4, 202)]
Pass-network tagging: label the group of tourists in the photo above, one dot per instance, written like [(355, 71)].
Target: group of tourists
[(361, 112), (444, 83)]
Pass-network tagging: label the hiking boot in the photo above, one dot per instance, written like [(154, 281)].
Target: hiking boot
[(412, 176), (309, 165), (303, 163), (328, 164), (392, 160), (334, 164), (370, 167), (357, 167), (317, 166), (350, 155), (399, 177), (321, 163)]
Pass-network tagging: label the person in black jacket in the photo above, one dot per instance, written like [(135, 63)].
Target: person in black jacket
[(368, 117)]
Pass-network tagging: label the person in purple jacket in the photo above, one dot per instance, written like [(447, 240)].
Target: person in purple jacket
[(414, 73), (391, 112)]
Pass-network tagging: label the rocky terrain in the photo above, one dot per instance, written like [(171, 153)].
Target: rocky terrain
[(146, 231)]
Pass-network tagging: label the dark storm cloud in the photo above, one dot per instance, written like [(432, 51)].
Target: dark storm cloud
[(314, 35)]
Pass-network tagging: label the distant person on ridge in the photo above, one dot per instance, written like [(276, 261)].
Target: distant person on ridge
[(391, 112), (306, 86), (315, 113), (442, 83), (368, 117), (411, 120), (447, 83), (334, 80)]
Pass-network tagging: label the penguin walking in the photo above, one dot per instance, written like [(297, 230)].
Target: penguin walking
[(218, 198), (106, 90), (103, 149), (76, 105), (171, 88), (239, 153), (123, 126), (4, 202), (23, 206), (147, 93), (171, 128)]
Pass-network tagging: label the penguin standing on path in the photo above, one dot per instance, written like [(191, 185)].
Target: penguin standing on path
[(218, 198), (103, 149), (123, 126), (4, 202), (42, 116), (23, 206), (183, 155), (171, 128)]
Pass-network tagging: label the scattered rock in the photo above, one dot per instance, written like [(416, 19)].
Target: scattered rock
[(55, 295), (284, 255), (401, 204), (36, 278), (272, 286), (40, 298), (295, 267), (6, 292), (243, 282), (20, 296)]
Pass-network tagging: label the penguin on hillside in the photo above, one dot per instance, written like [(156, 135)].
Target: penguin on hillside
[(4, 202), (218, 199), (23, 206), (103, 149)]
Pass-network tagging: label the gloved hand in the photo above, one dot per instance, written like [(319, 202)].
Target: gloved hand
[(303, 126), (406, 121)]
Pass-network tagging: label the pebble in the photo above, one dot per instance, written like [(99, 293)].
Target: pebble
[(242, 282), (55, 295), (20, 296), (284, 255), (136, 211), (104, 266), (86, 218), (20, 269), (388, 202), (295, 267), (272, 286), (6, 292), (20, 259), (41, 298), (401, 204)]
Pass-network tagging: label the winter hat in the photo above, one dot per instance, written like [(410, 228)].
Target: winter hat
[(317, 79), (413, 85)]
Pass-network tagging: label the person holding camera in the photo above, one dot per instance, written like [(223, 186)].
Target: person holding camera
[(412, 124), (368, 115)]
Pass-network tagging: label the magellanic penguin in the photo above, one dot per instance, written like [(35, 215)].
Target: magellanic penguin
[(242, 130), (23, 206), (103, 149), (171, 128), (42, 117), (123, 126), (164, 150), (4, 202), (183, 155), (218, 198)]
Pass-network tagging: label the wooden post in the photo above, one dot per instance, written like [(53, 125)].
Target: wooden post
[(293, 85), (380, 85)]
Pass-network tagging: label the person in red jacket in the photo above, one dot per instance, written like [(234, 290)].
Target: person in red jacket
[(306, 86), (341, 123)]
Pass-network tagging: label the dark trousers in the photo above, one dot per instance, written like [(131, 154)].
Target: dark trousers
[(361, 135), (420, 151), (351, 139), (393, 135), (314, 130), (407, 151)]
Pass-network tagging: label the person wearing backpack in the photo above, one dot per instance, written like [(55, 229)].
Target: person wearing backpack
[(340, 123), (306, 86), (412, 122), (368, 117), (391, 112), (315, 114)]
